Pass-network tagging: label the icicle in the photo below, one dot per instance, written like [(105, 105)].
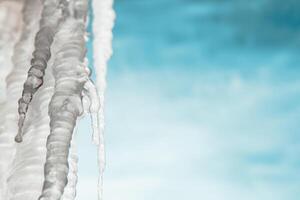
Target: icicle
[(93, 108), (97, 138), (66, 106), (53, 14), (62, 22), (10, 54), (103, 23), (90, 92)]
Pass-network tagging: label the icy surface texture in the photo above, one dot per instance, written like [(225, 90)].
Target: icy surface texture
[(47, 90)]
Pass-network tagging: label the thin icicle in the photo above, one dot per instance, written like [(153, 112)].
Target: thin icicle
[(90, 91), (103, 23), (97, 138), (52, 15)]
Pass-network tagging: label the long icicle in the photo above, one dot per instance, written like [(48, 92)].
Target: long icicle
[(52, 15), (14, 81), (66, 104), (104, 16)]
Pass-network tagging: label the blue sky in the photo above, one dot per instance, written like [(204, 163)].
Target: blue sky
[(202, 103)]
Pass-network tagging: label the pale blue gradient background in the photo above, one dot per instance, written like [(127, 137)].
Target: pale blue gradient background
[(202, 103)]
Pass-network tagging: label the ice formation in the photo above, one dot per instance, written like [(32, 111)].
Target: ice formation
[(48, 87)]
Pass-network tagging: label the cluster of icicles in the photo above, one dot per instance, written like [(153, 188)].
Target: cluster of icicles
[(48, 89)]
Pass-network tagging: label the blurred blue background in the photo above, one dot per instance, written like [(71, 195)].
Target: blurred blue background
[(202, 103)]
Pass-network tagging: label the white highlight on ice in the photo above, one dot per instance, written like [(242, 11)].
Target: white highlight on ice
[(104, 16)]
